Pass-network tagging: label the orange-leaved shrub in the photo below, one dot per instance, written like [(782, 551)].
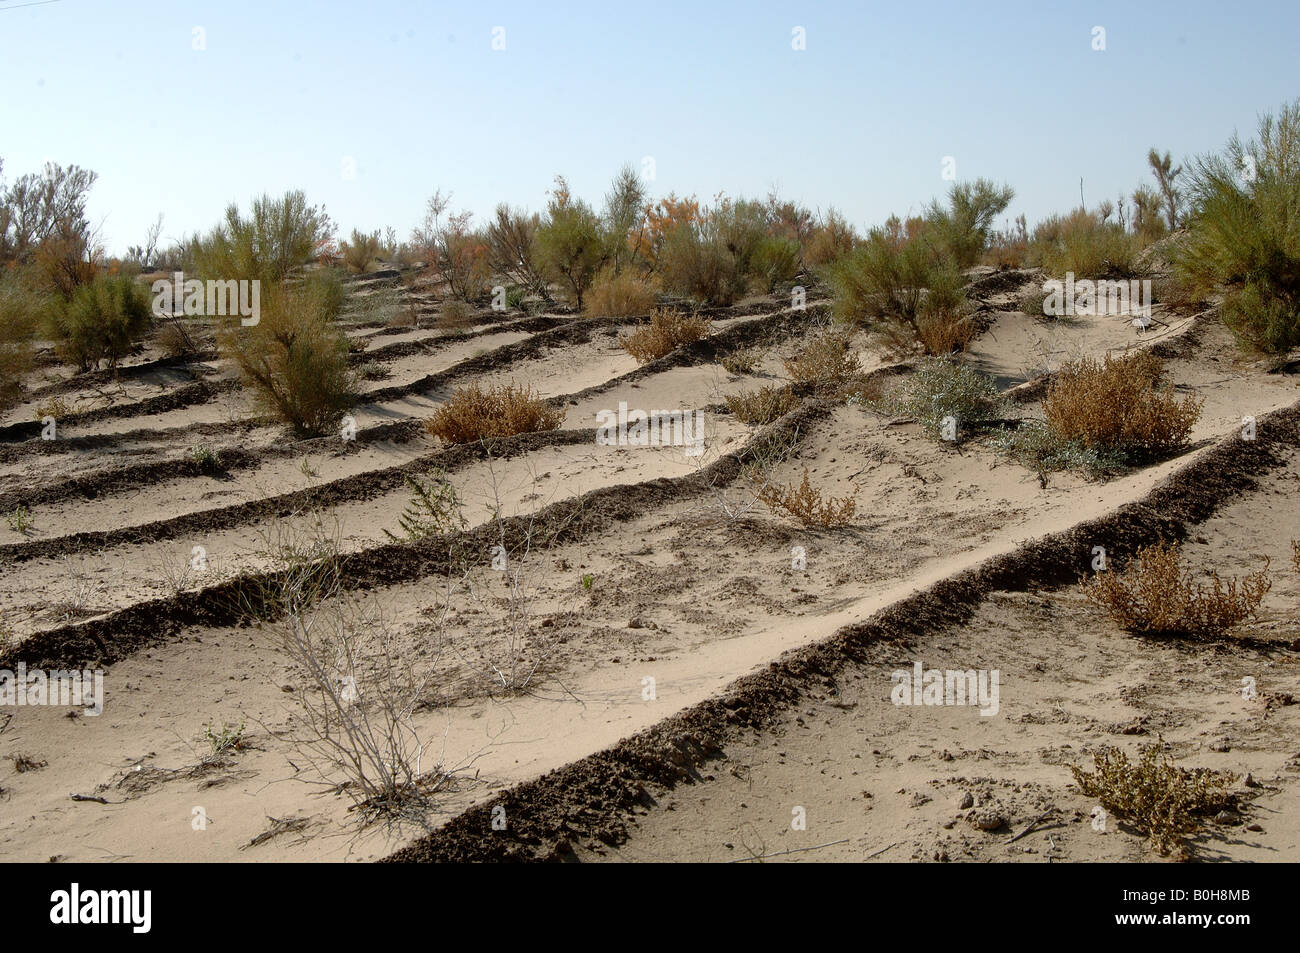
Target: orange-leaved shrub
[(806, 504), (1114, 404), (499, 410), (667, 331), (1154, 594)]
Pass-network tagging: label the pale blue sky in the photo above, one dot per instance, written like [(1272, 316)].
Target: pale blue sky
[(414, 93)]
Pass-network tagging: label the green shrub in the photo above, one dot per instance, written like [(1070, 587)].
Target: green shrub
[(1244, 238), (960, 230), (1162, 800), (692, 264), (102, 322), (361, 251), (1086, 243), (775, 261), (278, 236), (939, 389), (295, 358), (435, 508), (570, 243), (20, 314)]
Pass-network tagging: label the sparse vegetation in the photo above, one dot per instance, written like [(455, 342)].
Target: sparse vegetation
[(1155, 595), (620, 295), (275, 240), (940, 389), (19, 519), (667, 331), (906, 276), (20, 311), (223, 738), (55, 407), (806, 504), (205, 458), (500, 410), (1088, 243), (1163, 801), (434, 509), (361, 252), (102, 322), (744, 361)]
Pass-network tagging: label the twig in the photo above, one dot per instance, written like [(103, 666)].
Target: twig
[(1030, 826), (88, 797), (881, 851), (793, 850)]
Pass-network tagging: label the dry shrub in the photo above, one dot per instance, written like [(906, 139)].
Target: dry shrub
[(945, 332), (175, 340), (1114, 405), (1154, 595), (620, 296), (1161, 799), (456, 316), (667, 331), (361, 253), (501, 410), (826, 363), (762, 406), (744, 361), (806, 504)]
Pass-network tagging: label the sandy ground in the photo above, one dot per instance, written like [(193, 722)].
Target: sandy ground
[(887, 782), (678, 592)]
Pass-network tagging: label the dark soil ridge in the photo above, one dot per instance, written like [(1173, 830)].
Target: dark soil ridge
[(133, 476), (116, 635), (595, 798), (570, 332), (351, 489), (125, 371), (197, 393), (435, 343), (769, 329)]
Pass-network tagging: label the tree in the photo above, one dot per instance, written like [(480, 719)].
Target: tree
[(512, 247), (570, 244), (39, 206), (622, 213), (278, 236), (1165, 173)]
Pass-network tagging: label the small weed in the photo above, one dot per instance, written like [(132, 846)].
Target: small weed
[(1161, 799), (19, 519), (435, 509), (806, 504), (226, 738)]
